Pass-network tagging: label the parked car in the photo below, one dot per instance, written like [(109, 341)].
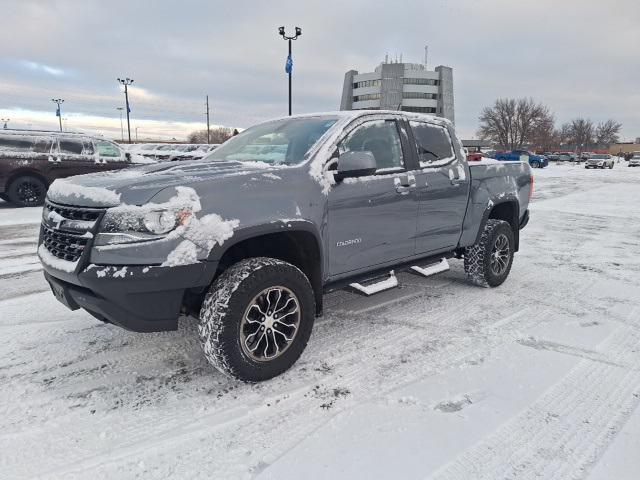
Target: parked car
[(170, 152), (552, 156), (584, 156), (31, 160), (599, 160), (634, 161), (536, 161), (248, 239), (474, 156)]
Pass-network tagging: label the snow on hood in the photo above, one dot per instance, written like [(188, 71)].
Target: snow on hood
[(138, 185)]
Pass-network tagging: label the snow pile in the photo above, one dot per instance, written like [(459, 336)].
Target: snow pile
[(201, 236), (61, 190), (59, 264)]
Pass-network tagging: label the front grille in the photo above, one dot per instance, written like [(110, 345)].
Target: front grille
[(62, 244), (65, 235), (73, 213)]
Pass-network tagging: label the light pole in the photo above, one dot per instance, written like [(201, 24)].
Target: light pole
[(58, 101), (121, 127), (136, 135), (288, 67), (6, 120), (126, 82)]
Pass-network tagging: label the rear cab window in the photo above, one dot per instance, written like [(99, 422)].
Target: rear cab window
[(433, 144)]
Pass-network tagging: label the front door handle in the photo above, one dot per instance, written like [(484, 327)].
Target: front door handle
[(405, 184)]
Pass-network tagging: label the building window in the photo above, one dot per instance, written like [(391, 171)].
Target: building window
[(367, 83), (420, 81), (368, 96), (420, 95), (419, 109)]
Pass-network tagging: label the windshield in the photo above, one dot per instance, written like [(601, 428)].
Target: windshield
[(281, 142)]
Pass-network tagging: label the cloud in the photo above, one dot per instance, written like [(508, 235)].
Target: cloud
[(40, 67)]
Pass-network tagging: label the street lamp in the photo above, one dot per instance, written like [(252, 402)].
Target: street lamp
[(6, 120), (121, 127), (58, 101), (289, 64), (126, 82)]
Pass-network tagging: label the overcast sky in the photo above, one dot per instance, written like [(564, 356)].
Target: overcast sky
[(581, 58)]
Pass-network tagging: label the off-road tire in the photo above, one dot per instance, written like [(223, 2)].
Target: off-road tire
[(225, 304), (27, 183), (477, 258)]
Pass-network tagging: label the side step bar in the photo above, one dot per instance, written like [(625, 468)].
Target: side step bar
[(377, 287), (441, 266)]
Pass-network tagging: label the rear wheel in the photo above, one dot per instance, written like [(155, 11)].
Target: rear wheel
[(257, 318), (27, 191), (488, 262)]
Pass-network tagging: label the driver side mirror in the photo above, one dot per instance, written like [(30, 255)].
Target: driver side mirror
[(355, 164), (127, 155)]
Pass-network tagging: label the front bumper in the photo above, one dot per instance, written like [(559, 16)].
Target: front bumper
[(137, 298)]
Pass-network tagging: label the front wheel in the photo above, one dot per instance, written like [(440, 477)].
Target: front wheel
[(535, 164), (256, 319), (488, 262), (27, 191)]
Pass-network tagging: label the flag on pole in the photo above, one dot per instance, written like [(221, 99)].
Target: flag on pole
[(128, 109), (288, 67), (58, 111)]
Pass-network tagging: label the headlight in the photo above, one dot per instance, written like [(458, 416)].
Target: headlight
[(139, 224), (159, 222)]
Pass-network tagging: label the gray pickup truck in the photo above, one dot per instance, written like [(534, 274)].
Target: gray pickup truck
[(249, 238)]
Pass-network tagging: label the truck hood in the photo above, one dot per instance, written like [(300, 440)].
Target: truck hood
[(138, 185)]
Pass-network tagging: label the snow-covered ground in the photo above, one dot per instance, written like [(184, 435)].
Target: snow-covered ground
[(539, 378)]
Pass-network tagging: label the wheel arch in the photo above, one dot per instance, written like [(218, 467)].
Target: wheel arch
[(507, 210), (26, 172), (295, 241)]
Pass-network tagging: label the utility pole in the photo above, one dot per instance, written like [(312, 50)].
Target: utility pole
[(121, 127), (6, 120), (289, 64), (126, 82), (58, 101), (208, 129)]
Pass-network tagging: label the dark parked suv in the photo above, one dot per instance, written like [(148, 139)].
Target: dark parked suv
[(30, 161)]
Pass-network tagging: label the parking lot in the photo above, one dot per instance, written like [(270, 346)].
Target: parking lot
[(442, 378)]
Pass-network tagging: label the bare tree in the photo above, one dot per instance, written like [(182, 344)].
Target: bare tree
[(217, 135), (545, 136), (580, 133), (511, 122), (608, 132)]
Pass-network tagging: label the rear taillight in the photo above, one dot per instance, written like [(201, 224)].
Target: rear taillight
[(530, 187)]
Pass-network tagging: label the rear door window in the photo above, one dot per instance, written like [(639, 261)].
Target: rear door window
[(76, 147), (433, 144)]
